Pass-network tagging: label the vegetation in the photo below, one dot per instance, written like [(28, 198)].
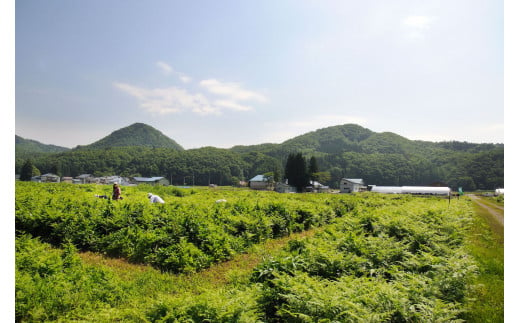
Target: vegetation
[(376, 257), (486, 245), (28, 171), (296, 171), (347, 151), (27, 148), (137, 134)]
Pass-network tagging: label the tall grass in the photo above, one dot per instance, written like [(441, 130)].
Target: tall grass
[(486, 245)]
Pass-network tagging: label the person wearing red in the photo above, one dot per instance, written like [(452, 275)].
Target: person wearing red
[(116, 192)]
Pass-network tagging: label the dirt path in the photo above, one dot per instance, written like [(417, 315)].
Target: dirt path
[(496, 215)]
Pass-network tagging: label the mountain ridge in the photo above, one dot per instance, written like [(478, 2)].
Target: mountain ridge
[(24, 146), (333, 139)]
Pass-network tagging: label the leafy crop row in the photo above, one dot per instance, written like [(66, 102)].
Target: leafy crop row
[(189, 232), (380, 258), (389, 264)]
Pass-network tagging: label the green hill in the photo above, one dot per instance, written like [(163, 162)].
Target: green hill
[(29, 147), (137, 134)]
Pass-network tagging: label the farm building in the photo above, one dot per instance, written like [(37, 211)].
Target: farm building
[(386, 189), (85, 178), (151, 180), (351, 185), (66, 179), (317, 187), (417, 190), (499, 191), (260, 182), (50, 178)]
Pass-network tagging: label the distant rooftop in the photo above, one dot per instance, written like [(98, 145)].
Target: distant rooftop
[(355, 180), (258, 178), (147, 179)]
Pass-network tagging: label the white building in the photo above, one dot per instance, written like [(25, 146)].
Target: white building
[(417, 190), (351, 185), (151, 180)]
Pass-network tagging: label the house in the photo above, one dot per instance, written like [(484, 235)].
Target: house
[(111, 180), (159, 180), (84, 178), (260, 182), (317, 187), (66, 179), (50, 178), (351, 185)]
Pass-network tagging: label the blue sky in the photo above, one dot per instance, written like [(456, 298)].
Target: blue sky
[(225, 73)]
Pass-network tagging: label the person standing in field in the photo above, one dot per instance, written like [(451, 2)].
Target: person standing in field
[(116, 192), (155, 198)]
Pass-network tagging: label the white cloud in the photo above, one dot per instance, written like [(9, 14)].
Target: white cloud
[(184, 78), (232, 105), (233, 91), (169, 100), (416, 26), (420, 22), (167, 69), (176, 100), (220, 96)]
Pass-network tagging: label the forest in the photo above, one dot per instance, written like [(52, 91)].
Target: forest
[(347, 151)]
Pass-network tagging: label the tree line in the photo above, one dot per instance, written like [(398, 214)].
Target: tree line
[(203, 166)]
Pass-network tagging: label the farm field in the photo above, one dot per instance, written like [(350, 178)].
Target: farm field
[(257, 257)]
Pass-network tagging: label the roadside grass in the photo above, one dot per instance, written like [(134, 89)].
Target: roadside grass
[(486, 245)]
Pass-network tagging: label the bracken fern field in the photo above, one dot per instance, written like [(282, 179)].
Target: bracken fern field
[(371, 258)]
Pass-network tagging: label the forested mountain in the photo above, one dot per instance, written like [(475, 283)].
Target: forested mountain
[(137, 134), (342, 151), (28, 147)]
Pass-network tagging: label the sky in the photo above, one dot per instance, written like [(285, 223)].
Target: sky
[(226, 73)]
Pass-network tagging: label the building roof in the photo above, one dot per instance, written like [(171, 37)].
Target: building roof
[(259, 178), (148, 179), (355, 180), (50, 175)]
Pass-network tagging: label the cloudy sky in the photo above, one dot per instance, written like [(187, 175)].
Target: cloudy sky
[(225, 73)]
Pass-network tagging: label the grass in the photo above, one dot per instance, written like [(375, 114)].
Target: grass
[(155, 283), (486, 244)]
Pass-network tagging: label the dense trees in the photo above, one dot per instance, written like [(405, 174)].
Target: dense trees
[(342, 151), (296, 171), (28, 170)]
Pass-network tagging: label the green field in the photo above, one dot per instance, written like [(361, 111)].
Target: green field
[(258, 257)]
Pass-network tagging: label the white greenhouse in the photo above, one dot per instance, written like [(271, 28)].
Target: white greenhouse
[(419, 190)]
